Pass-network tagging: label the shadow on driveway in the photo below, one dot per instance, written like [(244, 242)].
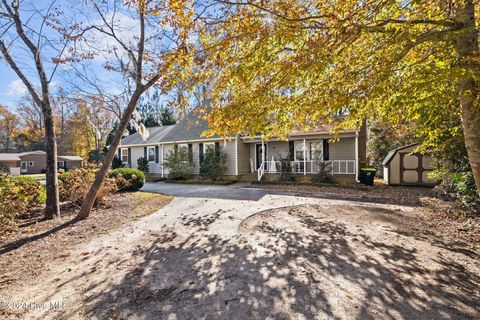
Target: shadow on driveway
[(243, 191)]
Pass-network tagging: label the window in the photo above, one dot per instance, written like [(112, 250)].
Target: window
[(208, 145), (183, 146), (298, 145), (31, 163), (124, 155), (151, 154), (61, 164), (315, 150), (23, 165)]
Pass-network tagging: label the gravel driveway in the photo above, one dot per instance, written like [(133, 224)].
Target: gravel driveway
[(232, 252)]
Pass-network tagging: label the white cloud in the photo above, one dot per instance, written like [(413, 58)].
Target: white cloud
[(16, 88)]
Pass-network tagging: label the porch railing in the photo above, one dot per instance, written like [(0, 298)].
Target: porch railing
[(261, 171), (309, 167)]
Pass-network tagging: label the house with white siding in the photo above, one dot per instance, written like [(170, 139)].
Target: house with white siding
[(251, 157)]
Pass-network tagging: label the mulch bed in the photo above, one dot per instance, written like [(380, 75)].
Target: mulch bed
[(25, 251)]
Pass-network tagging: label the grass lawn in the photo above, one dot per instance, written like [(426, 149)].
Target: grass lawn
[(35, 176)]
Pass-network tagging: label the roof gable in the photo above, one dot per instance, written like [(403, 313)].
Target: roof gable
[(391, 154)]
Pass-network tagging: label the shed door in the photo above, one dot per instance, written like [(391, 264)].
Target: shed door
[(414, 169), (23, 166)]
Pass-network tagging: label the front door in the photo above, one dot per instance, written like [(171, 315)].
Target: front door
[(414, 169), (23, 166), (259, 155)]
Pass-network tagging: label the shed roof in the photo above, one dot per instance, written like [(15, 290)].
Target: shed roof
[(391, 154), (31, 152), (71, 158), (9, 157)]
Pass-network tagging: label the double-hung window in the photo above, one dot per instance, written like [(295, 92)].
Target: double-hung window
[(208, 145), (315, 150), (151, 154), (124, 155)]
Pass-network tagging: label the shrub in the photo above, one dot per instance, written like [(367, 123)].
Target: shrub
[(73, 185), (286, 174), (142, 164), (324, 173), (128, 179), (457, 186), (19, 197), (117, 163), (213, 165), (179, 164)]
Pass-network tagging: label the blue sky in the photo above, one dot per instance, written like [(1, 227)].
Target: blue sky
[(11, 87)]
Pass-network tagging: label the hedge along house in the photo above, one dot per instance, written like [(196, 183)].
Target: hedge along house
[(404, 166), (33, 162), (250, 158)]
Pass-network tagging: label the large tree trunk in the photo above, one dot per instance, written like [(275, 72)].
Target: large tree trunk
[(102, 173), (52, 209), (466, 45)]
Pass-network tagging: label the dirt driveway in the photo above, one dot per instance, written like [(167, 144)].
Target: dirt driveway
[(232, 253)]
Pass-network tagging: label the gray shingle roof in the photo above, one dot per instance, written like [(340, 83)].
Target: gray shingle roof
[(156, 135), (190, 127), (393, 152)]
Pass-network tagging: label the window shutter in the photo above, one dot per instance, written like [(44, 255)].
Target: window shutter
[(190, 152), (175, 149), (291, 150), (217, 148), (200, 152), (130, 157), (156, 154), (326, 151), (119, 153), (145, 152)]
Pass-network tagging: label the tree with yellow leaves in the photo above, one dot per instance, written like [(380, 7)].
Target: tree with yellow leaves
[(159, 54), (274, 64)]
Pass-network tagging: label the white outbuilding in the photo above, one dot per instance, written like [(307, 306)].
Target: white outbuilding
[(403, 166)]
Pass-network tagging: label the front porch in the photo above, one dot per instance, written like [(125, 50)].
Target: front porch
[(305, 157)]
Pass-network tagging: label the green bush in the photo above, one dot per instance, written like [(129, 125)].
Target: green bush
[(117, 163), (213, 165), (324, 174), (286, 174), (19, 197), (42, 197), (143, 164), (457, 186), (134, 178), (179, 164)]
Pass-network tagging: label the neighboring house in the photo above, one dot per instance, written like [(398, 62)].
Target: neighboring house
[(250, 158), (33, 162), (403, 166)]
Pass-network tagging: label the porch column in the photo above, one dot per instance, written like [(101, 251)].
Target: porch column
[(163, 151), (304, 157), (357, 166), (236, 155), (263, 151)]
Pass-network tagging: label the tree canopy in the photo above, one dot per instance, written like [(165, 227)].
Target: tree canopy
[(287, 63)]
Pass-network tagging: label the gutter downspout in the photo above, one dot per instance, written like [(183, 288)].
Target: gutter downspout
[(356, 156)]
